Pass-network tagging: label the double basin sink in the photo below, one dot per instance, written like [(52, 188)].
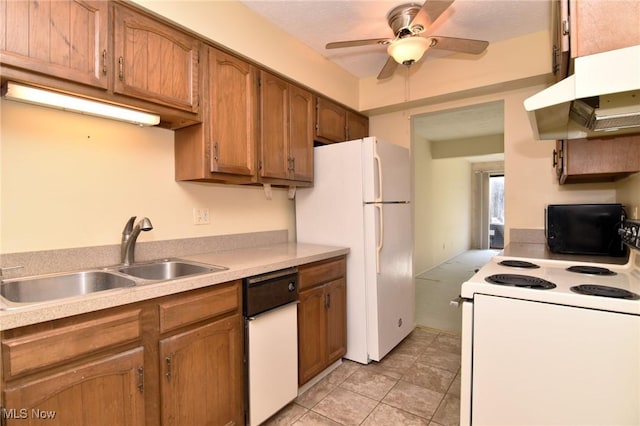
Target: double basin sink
[(44, 288)]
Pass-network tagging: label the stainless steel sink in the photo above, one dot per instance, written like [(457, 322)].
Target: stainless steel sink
[(51, 287), (168, 269)]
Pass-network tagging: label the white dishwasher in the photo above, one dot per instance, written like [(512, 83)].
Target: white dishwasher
[(271, 343)]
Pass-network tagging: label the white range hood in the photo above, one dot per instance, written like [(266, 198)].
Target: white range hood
[(601, 98)]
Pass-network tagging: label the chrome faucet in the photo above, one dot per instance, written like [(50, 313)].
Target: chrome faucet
[(129, 236)]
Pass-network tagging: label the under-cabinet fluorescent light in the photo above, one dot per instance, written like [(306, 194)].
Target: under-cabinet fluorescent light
[(33, 95)]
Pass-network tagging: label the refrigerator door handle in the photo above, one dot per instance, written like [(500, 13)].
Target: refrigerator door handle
[(378, 161), (380, 236)]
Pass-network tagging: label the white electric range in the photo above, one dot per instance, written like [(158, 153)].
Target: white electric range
[(537, 350)]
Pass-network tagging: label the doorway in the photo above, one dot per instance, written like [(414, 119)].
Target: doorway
[(496, 211)]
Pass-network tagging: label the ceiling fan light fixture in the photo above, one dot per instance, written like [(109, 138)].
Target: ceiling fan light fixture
[(408, 50)]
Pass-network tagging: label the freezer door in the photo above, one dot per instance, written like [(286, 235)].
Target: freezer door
[(390, 289), (386, 171)]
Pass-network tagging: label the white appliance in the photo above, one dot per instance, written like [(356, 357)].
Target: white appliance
[(601, 98), (360, 200), (536, 351)]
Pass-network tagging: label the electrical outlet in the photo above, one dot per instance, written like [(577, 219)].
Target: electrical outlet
[(200, 216)]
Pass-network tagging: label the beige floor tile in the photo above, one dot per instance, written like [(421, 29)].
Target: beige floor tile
[(415, 399), (454, 389), (346, 407), (447, 343), (378, 368), (346, 369), (427, 376), (386, 415), (315, 419), (315, 394), (370, 384), (398, 362), (287, 416), (448, 413), (439, 358)]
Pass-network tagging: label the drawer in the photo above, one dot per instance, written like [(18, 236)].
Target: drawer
[(317, 273), (196, 306), (45, 348)]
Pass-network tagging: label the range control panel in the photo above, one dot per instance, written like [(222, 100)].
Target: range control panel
[(630, 233)]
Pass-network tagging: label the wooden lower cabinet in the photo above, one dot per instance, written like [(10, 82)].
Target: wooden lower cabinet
[(322, 312), (201, 376), (175, 360), (105, 391)]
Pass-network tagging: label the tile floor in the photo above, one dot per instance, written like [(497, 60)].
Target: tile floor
[(418, 383)]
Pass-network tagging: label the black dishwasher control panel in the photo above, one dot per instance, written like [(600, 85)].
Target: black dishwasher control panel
[(268, 291)]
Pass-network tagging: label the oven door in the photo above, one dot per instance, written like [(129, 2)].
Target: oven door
[(542, 364)]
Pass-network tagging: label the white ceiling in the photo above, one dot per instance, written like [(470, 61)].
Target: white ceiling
[(318, 22)]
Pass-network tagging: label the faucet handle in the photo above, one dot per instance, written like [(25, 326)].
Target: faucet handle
[(129, 226)]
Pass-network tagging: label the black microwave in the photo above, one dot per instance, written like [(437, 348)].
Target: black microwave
[(588, 229)]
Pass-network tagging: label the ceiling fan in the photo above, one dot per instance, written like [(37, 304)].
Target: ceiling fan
[(410, 23)]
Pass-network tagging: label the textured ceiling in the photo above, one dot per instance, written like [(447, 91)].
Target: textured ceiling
[(318, 22)]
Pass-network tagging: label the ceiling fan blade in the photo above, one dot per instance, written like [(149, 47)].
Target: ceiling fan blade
[(388, 69), (429, 12), (462, 45), (353, 43)]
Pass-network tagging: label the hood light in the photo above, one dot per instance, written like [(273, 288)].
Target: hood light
[(33, 95)]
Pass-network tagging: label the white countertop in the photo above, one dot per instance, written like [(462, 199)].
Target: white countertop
[(241, 263)]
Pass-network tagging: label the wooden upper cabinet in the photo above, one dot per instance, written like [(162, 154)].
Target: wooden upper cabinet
[(222, 148), (357, 126), (286, 132), (331, 121), (596, 159), (335, 123), (302, 125), (275, 160), (598, 26), (154, 61), (232, 114), (64, 39)]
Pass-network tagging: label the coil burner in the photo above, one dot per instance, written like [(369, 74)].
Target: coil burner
[(519, 264), (516, 280), (590, 270), (604, 291)]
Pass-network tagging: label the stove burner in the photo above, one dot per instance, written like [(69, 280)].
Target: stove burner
[(518, 264), (604, 291), (591, 270), (516, 280)]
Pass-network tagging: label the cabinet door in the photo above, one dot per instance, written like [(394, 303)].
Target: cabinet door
[(64, 39), (275, 161), (231, 114), (357, 126), (598, 26), (95, 393), (312, 334), (301, 133), (155, 62), (336, 302), (201, 375), (331, 121)]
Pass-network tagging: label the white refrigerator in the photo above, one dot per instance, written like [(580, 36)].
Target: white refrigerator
[(361, 200)]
